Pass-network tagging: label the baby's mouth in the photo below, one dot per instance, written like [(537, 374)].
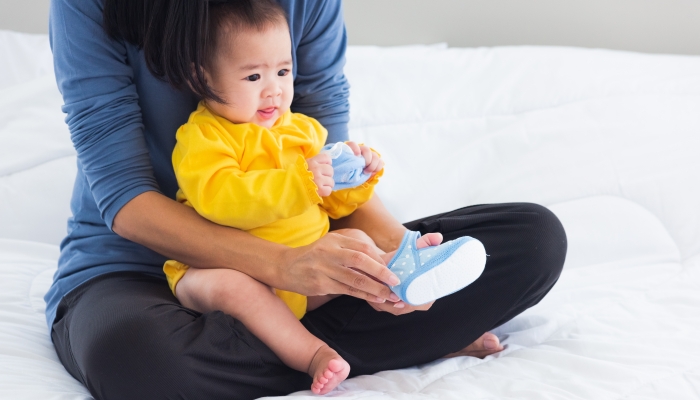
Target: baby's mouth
[(267, 113)]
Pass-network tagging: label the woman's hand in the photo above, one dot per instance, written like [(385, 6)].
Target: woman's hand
[(400, 308), (338, 264)]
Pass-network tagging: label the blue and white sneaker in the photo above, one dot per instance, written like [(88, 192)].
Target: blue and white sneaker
[(433, 272)]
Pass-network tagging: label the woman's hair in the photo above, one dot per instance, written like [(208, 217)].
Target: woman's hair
[(179, 38)]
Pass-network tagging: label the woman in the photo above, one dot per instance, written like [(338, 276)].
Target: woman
[(130, 73)]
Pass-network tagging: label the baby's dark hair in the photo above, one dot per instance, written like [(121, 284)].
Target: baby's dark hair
[(179, 38), (227, 18)]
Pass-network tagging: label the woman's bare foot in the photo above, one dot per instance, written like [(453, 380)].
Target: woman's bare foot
[(484, 346), (327, 369)]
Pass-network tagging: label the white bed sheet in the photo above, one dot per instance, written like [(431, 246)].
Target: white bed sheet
[(610, 141)]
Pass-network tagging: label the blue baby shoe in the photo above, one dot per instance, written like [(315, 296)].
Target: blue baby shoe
[(347, 167), (433, 272)]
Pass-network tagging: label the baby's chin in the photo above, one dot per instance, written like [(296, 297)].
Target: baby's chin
[(268, 123)]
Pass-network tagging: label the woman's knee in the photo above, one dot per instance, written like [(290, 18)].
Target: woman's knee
[(135, 354), (546, 242)]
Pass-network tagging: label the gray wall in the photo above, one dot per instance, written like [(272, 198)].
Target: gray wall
[(30, 16), (656, 26)]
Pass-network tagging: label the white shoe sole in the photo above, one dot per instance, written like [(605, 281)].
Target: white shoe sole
[(462, 268)]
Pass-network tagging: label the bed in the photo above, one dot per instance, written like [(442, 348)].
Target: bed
[(609, 140)]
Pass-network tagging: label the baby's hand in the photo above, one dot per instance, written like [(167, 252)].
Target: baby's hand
[(320, 166), (373, 163)]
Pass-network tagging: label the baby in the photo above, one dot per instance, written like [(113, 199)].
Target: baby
[(247, 162)]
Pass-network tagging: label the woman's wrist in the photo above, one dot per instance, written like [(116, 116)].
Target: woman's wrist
[(375, 220)]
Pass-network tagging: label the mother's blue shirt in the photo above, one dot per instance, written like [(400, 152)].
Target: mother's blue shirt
[(123, 120)]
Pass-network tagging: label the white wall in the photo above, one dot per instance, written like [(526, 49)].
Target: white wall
[(657, 26)]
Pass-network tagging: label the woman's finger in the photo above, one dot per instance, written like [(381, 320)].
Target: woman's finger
[(365, 258), (341, 288), (359, 282), (402, 309), (391, 309), (385, 307), (365, 246)]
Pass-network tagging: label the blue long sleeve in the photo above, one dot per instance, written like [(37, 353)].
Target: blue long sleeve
[(123, 120), (101, 106), (320, 87)]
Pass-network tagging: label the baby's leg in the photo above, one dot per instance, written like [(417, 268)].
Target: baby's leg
[(246, 299)]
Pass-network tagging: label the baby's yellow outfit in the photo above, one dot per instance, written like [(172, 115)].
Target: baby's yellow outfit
[(256, 179)]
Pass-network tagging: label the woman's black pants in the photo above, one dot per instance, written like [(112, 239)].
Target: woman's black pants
[(125, 336)]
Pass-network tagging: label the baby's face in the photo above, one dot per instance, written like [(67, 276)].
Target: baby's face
[(253, 74)]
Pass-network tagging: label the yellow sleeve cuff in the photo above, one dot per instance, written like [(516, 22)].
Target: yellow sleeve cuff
[(344, 202), (307, 179)]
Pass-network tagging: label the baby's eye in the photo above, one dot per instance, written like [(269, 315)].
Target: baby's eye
[(253, 77), (282, 72)]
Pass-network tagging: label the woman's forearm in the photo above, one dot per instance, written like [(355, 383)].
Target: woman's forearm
[(330, 265), (376, 221), (178, 232)]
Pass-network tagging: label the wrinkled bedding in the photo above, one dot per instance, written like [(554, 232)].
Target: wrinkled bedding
[(609, 140)]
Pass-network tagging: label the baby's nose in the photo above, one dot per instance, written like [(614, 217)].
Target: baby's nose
[(272, 89)]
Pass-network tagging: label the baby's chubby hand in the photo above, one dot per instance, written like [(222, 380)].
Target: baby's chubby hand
[(373, 162), (320, 166)]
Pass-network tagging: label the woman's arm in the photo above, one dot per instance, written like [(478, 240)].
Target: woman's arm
[(324, 267), (321, 90), (101, 105)]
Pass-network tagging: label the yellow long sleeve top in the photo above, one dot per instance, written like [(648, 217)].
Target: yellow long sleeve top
[(256, 179)]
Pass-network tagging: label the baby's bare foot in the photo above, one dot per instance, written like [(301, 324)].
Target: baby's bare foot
[(327, 369)]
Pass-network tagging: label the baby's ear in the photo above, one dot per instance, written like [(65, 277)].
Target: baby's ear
[(205, 72)]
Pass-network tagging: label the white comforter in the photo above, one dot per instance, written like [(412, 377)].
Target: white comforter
[(609, 140)]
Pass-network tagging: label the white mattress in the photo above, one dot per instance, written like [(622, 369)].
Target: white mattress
[(609, 140)]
